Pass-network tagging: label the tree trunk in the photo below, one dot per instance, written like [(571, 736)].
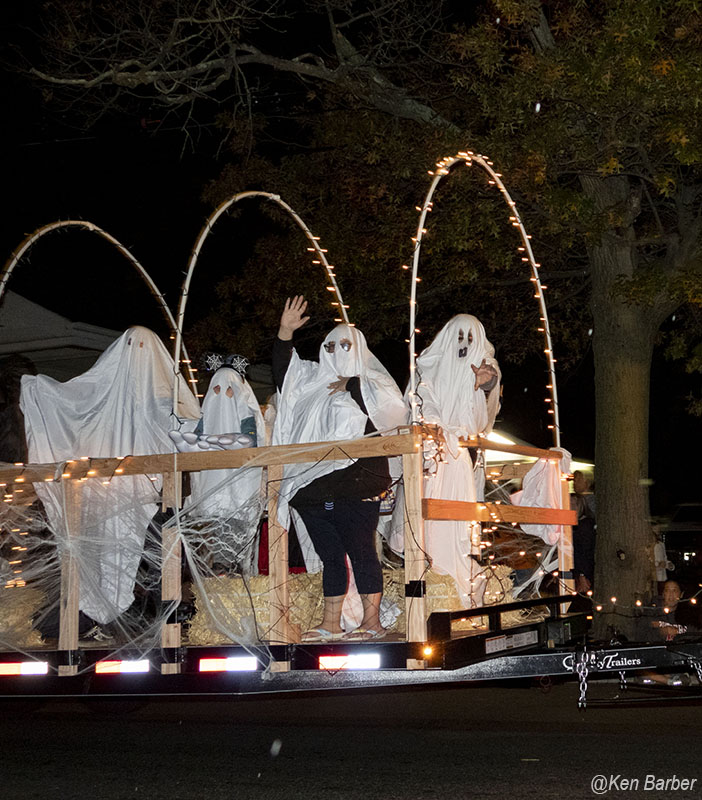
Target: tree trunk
[(623, 339), (623, 345)]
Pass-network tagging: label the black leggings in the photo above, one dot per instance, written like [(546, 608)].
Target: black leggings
[(341, 528)]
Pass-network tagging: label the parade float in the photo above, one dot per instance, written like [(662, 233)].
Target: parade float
[(122, 577)]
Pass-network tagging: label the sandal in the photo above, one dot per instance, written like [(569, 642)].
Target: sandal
[(320, 635), (365, 635)]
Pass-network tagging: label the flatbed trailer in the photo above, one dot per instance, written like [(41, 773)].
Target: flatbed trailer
[(551, 643)]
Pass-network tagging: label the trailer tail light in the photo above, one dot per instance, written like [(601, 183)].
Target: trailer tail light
[(232, 664), (24, 668), (353, 661), (113, 667)]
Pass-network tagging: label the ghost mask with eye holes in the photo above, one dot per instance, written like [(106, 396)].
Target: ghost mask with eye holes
[(341, 352), (462, 348)]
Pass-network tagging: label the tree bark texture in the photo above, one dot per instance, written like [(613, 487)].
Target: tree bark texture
[(623, 340)]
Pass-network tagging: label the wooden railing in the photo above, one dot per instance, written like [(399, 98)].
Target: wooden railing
[(406, 443)]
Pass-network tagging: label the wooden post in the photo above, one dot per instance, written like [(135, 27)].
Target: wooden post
[(171, 591), (415, 557), (70, 576), (565, 549), (172, 491), (171, 575), (280, 629)]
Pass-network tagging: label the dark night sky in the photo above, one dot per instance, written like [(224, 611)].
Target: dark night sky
[(144, 187)]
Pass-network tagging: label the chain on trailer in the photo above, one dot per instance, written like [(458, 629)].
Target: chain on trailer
[(582, 669)]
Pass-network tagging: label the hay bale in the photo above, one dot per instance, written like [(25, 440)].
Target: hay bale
[(232, 609), (18, 606)]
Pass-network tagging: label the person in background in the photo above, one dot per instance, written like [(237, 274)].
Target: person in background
[(585, 531)]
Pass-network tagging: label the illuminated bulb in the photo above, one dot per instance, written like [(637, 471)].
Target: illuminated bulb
[(693, 600), (638, 602), (598, 608), (613, 599), (427, 651), (666, 610)]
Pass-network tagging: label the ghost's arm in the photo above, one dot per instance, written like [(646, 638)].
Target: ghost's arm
[(486, 376), (282, 353)]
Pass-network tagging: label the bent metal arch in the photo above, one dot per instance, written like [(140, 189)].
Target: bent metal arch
[(34, 237), (314, 248), (443, 167)]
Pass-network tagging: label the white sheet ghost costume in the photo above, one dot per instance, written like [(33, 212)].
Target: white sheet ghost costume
[(307, 412), (121, 406), (229, 406), (447, 396)]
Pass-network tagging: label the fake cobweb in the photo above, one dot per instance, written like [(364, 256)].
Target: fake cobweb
[(225, 589)]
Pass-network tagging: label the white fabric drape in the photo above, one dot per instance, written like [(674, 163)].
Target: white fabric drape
[(307, 412), (448, 397), (229, 400), (542, 488), (121, 406), (446, 383)]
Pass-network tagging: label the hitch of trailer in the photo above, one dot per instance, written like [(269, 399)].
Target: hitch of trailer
[(662, 658)]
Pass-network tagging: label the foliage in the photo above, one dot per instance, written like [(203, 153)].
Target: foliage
[(590, 110)]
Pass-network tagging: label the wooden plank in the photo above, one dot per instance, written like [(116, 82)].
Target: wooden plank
[(172, 492), (508, 472), (219, 459), (415, 555), (70, 576), (171, 590), (517, 449), (280, 629), (494, 512)]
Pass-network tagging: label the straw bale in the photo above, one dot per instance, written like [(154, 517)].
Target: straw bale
[(234, 609), (17, 608)]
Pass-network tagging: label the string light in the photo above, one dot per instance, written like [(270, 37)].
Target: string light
[(494, 178)]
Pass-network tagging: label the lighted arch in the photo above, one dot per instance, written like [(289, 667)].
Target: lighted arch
[(314, 248), (443, 168), (30, 240)]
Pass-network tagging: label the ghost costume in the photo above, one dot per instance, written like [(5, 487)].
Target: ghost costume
[(541, 487), (121, 406), (337, 500), (446, 396), (229, 406)]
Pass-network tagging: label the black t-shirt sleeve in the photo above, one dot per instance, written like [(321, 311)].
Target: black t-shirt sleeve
[(353, 387)]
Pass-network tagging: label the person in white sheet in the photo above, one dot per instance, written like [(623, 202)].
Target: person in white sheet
[(458, 389), (121, 406), (344, 396), (229, 406)]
